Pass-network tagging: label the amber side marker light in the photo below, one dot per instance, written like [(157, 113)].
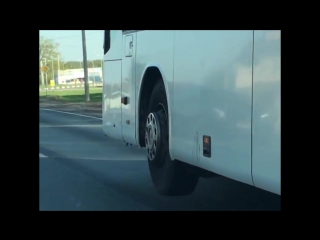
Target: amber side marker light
[(207, 146)]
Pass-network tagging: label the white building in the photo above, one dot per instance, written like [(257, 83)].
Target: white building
[(66, 76)]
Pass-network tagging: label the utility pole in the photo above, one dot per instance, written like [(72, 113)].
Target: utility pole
[(46, 82), (52, 70), (40, 60), (58, 69), (42, 78), (85, 66), (94, 79)]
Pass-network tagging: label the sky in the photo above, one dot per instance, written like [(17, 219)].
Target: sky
[(71, 43)]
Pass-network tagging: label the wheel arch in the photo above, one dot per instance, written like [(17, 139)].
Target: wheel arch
[(151, 74)]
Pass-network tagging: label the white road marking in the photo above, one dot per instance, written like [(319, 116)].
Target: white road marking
[(42, 156), (75, 114)]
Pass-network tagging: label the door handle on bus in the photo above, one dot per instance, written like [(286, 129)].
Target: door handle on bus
[(124, 100)]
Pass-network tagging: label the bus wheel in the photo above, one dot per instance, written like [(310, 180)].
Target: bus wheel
[(170, 178)]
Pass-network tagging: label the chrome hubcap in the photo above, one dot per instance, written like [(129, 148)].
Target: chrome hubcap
[(152, 135)]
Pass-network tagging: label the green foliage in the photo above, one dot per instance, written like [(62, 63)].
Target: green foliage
[(48, 48), (49, 54), (73, 95), (79, 64)]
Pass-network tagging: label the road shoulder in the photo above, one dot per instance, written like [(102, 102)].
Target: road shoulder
[(86, 108)]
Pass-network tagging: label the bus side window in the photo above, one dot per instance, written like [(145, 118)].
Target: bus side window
[(106, 44)]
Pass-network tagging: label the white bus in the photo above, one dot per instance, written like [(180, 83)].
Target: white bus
[(202, 103)]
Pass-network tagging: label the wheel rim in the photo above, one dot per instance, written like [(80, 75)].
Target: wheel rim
[(152, 135)]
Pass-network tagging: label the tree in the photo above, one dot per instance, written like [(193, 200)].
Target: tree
[(48, 48)]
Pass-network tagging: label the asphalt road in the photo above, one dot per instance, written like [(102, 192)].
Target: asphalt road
[(81, 169)]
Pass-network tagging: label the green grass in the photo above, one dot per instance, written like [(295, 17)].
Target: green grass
[(74, 95), (65, 85)]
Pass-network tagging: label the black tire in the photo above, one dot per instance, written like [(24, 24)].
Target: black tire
[(170, 177)]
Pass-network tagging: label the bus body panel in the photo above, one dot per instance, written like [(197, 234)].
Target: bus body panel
[(155, 49), (213, 97), (128, 88), (266, 160), (222, 84), (111, 104)]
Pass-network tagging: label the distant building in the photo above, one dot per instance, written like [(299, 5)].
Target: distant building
[(70, 75)]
